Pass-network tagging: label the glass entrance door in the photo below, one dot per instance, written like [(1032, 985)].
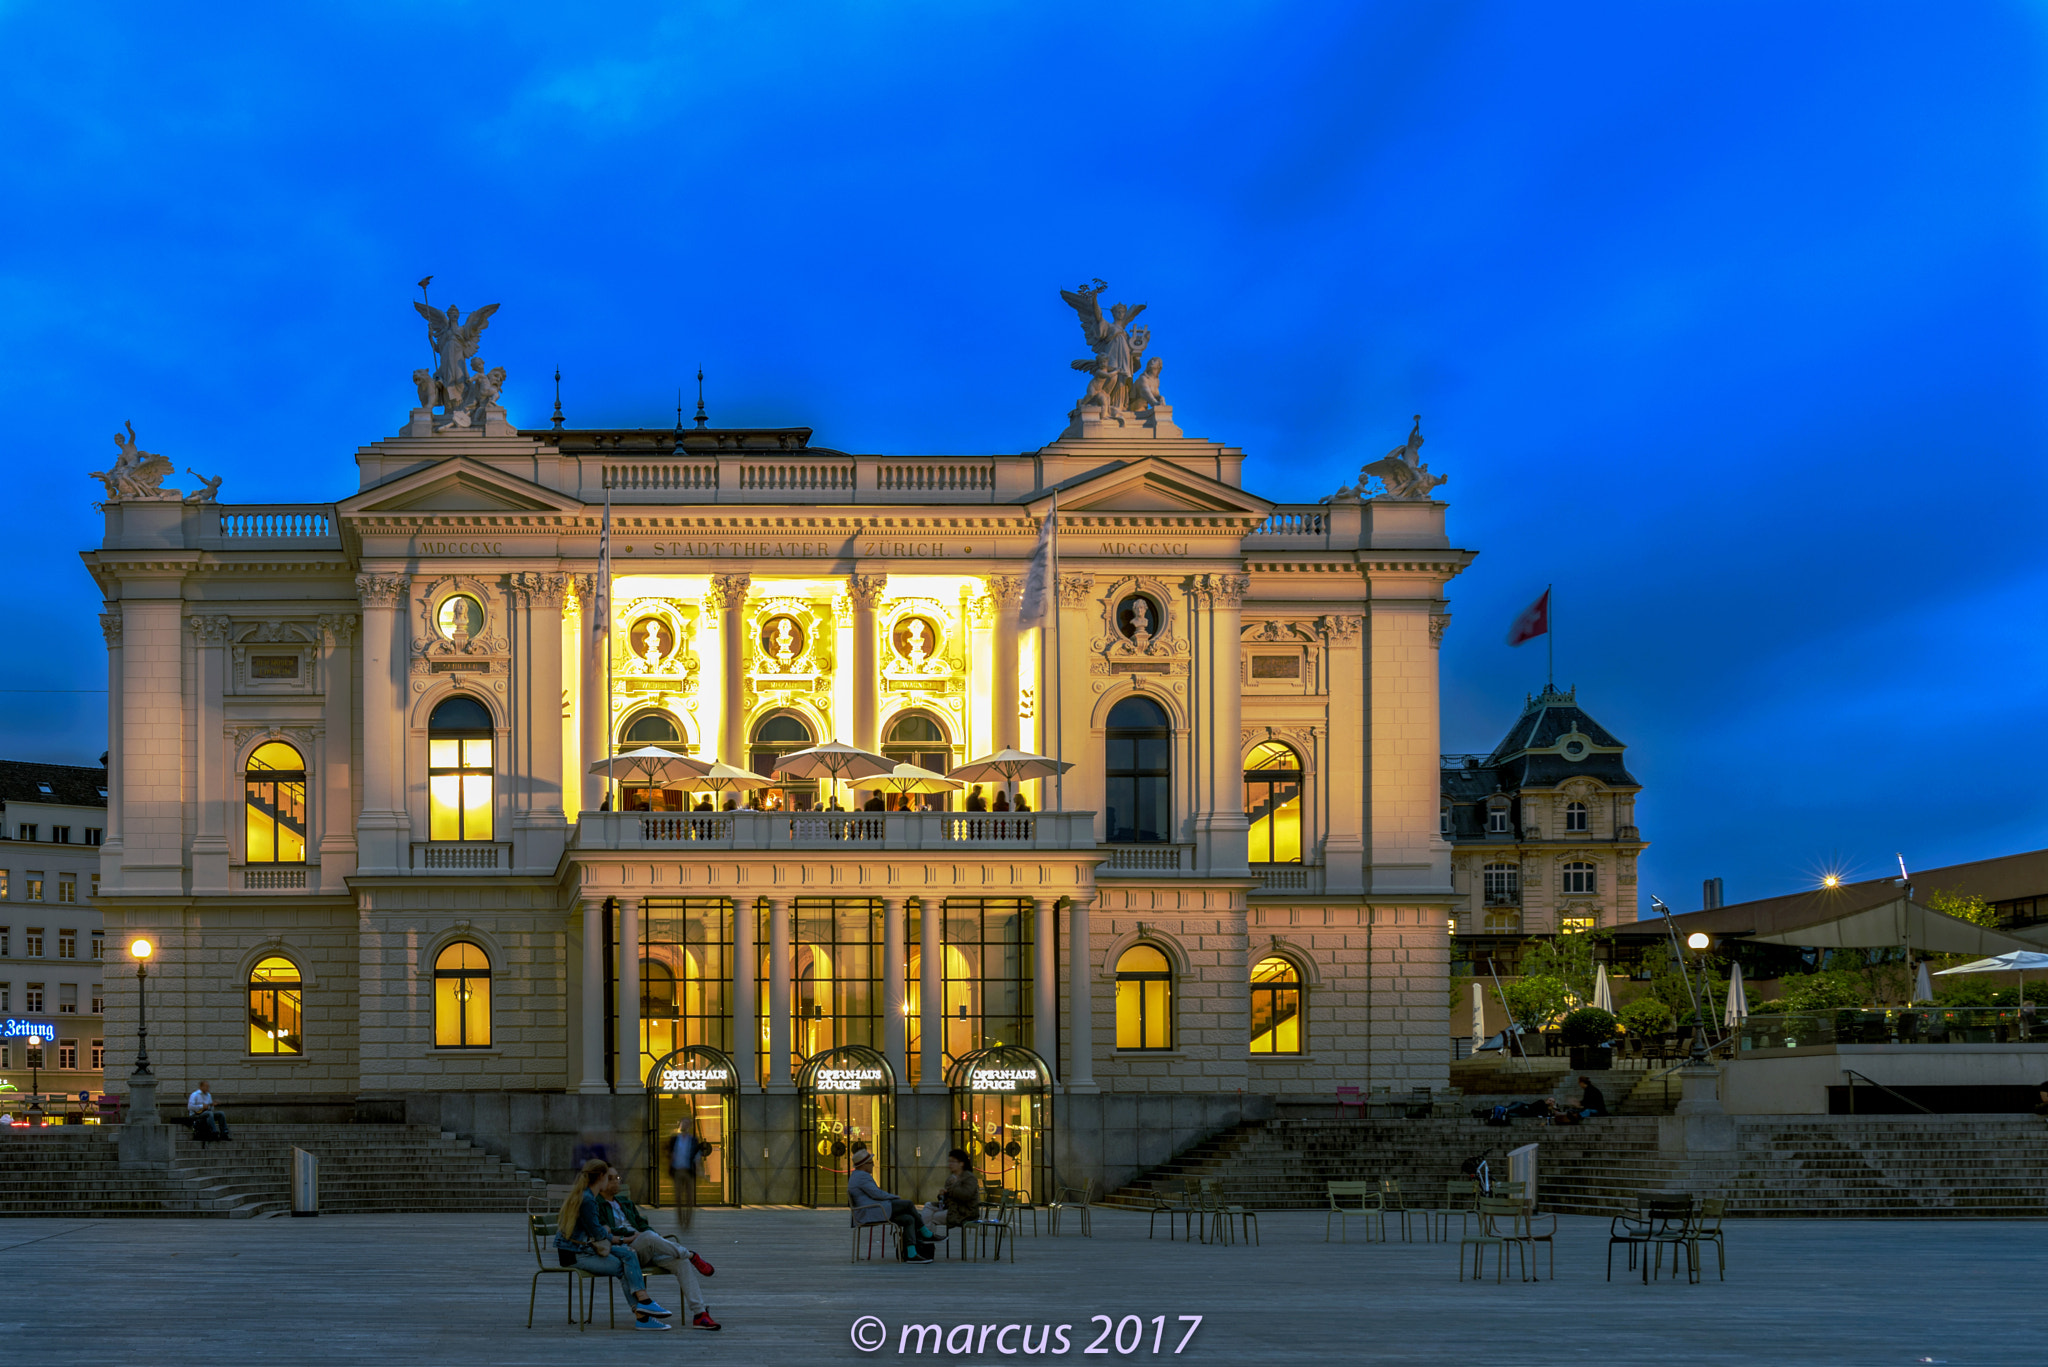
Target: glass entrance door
[(848, 1097), (691, 1091), (1002, 1116)]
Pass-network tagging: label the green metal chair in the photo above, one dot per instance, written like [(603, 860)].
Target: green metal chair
[(1498, 1228), (1353, 1201), (1073, 1200)]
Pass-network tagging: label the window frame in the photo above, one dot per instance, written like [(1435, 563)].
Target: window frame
[(1272, 777), (275, 1013), (279, 782), (1153, 782), (1297, 986), (1586, 875), (1576, 818), (1139, 979), (794, 794), (463, 995), (464, 774)]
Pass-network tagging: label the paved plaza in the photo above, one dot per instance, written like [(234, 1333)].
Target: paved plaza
[(452, 1289)]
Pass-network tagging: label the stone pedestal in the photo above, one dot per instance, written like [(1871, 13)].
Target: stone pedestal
[(145, 1140), (1699, 1124)]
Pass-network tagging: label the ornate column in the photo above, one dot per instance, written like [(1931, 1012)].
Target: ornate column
[(728, 597), (382, 827), (209, 841), (894, 964), (1008, 592), (337, 756), (592, 1006), (1080, 997), (1220, 823), (592, 724), (931, 1001), (110, 843), (746, 1010), (1045, 1001), (779, 964), (628, 1072), (866, 591), (538, 680)]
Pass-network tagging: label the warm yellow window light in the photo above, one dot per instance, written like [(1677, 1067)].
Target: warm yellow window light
[(462, 997), (1144, 999)]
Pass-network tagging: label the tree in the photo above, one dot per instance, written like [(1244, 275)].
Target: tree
[(1536, 1000), (1567, 958), (1963, 906)]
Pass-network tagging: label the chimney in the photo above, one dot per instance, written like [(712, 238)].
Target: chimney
[(1710, 894)]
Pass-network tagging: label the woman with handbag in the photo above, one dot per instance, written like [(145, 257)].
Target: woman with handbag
[(582, 1240)]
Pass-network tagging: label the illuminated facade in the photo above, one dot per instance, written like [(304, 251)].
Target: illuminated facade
[(352, 751)]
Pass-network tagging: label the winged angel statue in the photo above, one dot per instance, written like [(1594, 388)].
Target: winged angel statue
[(1119, 377), (459, 384), (138, 475), (1402, 471)]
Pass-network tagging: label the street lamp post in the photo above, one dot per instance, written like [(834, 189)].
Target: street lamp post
[(35, 1085), (1697, 942), (145, 1142), (141, 949)]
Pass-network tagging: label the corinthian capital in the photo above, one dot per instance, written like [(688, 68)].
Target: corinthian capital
[(337, 629), (540, 590), (866, 590), (727, 591), (1075, 588), (381, 590), (1006, 589), (1221, 590), (211, 631), (110, 627)]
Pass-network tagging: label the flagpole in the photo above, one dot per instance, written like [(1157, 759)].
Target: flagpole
[(605, 569), (1059, 778), (1550, 633)]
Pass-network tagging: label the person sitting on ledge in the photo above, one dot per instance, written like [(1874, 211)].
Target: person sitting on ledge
[(870, 1203), (207, 1123), (630, 1227), (1592, 1101), (583, 1241)]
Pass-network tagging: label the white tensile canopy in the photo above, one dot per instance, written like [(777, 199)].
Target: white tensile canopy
[(1897, 922)]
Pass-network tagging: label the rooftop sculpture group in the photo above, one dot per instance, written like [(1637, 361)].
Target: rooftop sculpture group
[(459, 384), (1120, 379), (1401, 470)]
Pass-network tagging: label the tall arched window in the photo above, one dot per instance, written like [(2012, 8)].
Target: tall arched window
[(774, 738), (1276, 1006), (274, 1007), (275, 805), (462, 997), (1272, 802), (459, 771), (915, 738), (1575, 816), (1137, 773), (1144, 999)]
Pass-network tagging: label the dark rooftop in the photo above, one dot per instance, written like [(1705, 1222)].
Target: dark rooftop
[(69, 785)]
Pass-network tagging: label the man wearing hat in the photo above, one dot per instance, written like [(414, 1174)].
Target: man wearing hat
[(871, 1203)]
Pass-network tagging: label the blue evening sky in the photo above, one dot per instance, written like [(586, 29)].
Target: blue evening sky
[(1725, 318)]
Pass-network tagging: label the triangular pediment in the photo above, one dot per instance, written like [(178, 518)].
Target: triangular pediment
[(459, 485), (1152, 485)]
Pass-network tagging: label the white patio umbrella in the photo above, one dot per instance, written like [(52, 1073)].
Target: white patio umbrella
[(722, 777), (835, 760), (2019, 961), (1737, 1009), (908, 778), (1603, 995), (653, 763), (1008, 766), (1923, 986)]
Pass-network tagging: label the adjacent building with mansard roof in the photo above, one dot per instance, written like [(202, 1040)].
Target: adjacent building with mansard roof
[(360, 788), (1543, 830)]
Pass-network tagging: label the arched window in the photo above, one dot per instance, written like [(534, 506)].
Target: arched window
[(917, 738), (1144, 999), (459, 771), (1575, 816), (774, 738), (462, 997), (652, 728), (1276, 1006), (274, 1016), (275, 805), (1137, 769), (1272, 801), (1579, 877)]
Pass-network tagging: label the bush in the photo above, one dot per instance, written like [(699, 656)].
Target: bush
[(1646, 1016), (1829, 990), (1587, 1026), (1536, 1001)]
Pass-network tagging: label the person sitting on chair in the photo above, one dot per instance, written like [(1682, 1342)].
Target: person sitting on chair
[(870, 1202), (962, 1192), (583, 1241), (630, 1228)]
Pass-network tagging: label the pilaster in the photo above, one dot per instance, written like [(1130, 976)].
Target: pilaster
[(337, 756), (727, 596), (866, 591), (383, 829)]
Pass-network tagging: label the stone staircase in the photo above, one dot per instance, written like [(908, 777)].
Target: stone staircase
[(1841, 1167), (364, 1169)]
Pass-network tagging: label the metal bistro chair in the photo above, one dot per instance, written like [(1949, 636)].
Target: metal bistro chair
[(871, 1228), (1221, 1220), (1705, 1228), (1654, 1216), (1500, 1227), (540, 1235), (1348, 1096), (1073, 1200), (1393, 1203), (1020, 1206), (1460, 1194), (1000, 1222), (1164, 1204), (1368, 1208)]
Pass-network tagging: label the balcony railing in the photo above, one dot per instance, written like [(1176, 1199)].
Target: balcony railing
[(849, 832), (260, 526), (1125, 860), (1289, 877), (462, 856), (274, 880)]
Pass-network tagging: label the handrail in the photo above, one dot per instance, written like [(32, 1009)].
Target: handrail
[(1852, 1075)]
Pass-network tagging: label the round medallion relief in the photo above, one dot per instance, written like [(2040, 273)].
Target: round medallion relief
[(916, 638), (782, 639), (1139, 615), (459, 615)]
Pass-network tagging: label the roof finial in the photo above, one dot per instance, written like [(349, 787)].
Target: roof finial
[(558, 398), (679, 411), (701, 420)]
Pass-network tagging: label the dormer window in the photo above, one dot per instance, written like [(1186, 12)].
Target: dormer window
[(1497, 821), (44, 789)]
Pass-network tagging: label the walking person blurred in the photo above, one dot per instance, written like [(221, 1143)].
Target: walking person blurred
[(686, 1154)]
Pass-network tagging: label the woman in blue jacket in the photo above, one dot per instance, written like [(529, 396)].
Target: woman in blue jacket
[(583, 1241)]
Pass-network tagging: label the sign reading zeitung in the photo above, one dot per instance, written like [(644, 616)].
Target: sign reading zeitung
[(16, 1028)]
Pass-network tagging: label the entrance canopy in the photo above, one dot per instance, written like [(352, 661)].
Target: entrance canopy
[(1899, 921)]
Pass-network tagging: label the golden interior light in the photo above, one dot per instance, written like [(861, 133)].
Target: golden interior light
[(141, 949)]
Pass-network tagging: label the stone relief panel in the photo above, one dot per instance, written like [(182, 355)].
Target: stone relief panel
[(459, 627), (274, 657)]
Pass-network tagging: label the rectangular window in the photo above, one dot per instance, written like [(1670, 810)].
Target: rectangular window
[(67, 1054), (67, 999), (6, 1057), (1503, 883), (1497, 821), (1144, 1015), (33, 886), (67, 887), (273, 666), (60, 835), (32, 999), (6, 996), (6, 948), (459, 789), (1578, 878), (32, 942), (99, 1055), (24, 832), (95, 834), (4, 875), (1573, 924), (67, 944), (686, 975), (99, 946), (99, 999), (95, 891)]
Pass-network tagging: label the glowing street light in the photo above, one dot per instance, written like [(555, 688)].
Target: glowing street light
[(1698, 940), (1833, 880), (140, 949)]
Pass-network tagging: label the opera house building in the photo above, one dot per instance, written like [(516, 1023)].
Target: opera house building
[(373, 795)]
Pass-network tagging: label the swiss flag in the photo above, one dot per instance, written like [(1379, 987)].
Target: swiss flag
[(1534, 621)]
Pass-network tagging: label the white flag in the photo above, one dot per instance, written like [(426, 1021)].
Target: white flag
[(1035, 610), (601, 616)]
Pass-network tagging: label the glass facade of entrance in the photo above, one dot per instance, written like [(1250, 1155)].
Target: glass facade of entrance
[(694, 1090), (848, 1103), (1002, 1116)]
